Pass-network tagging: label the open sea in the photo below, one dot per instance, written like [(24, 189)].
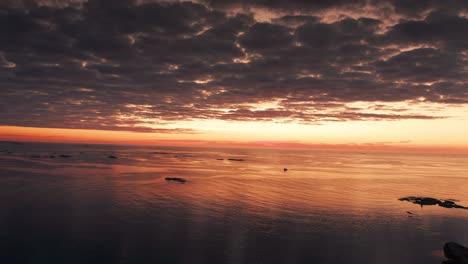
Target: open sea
[(71, 203)]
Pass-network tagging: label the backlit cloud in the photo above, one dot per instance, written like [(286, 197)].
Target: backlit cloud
[(141, 65)]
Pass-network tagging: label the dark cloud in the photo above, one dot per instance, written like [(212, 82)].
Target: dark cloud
[(407, 7), (341, 33), (423, 65), (295, 20), (290, 5), (417, 8), (445, 30), (140, 65), (265, 36)]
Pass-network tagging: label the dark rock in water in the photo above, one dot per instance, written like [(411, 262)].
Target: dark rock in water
[(35, 156), (285, 169), (447, 204), (219, 159), (52, 157), (112, 157), (428, 201), (176, 179), (408, 212), (236, 159), (456, 252), (162, 153), (432, 201), (65, 156)]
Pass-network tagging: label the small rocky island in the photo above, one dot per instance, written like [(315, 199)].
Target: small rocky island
[(432, 201), (176, 179)]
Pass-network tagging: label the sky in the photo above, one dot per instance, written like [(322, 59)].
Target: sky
[(369, 73)]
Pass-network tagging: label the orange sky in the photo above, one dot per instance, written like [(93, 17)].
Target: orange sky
[(448, 133), (434, 135)]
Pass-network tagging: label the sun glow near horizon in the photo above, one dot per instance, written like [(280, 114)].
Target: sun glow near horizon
[(449, 133)]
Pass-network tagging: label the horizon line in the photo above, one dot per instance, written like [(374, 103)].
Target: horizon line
[(372, 147), (78, 136)]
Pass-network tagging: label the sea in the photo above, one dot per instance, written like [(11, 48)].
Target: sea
[(74, 203)]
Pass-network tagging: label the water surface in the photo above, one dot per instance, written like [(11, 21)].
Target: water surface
[(329, 207)]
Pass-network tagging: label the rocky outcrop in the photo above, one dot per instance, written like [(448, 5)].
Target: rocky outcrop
[(456, 253), (176, 179), (432, 201)]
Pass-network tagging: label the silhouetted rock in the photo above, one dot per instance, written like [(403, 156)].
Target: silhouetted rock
[(65, 156), (236, 159), (52, 157), (429, 201), (285, 169), (161, 153), (35, 156), (456, 252), (432, 201), (176, 179), (447, 204), (112, 157), (219, 159)]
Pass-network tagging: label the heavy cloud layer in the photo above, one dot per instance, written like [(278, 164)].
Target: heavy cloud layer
[(133, 65)]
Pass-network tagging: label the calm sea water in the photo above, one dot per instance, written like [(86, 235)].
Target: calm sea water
[(329, 207)]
